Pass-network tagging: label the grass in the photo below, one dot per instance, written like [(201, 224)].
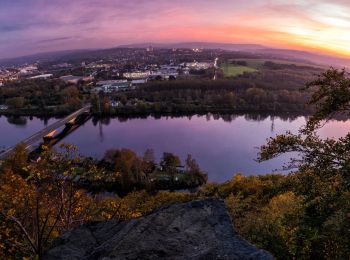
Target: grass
[(232, 70)]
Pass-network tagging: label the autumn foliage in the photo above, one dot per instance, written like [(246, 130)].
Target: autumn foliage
[(44, 199)]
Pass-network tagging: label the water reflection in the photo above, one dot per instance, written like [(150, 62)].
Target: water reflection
[(223, 144), (22, 120), (17, 120), (208, 116), (14, 129)]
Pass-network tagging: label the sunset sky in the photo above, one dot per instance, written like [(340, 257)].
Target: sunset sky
[(31, 26)]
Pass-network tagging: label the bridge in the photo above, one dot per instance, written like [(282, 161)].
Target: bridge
[(47, 135)]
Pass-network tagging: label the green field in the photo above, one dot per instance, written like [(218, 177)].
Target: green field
[(258, 63), (232, 70)]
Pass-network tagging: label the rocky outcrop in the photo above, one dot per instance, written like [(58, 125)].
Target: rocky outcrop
[(193, 230)]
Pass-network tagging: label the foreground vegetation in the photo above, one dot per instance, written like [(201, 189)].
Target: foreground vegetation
[(41, 199), (303, 215)]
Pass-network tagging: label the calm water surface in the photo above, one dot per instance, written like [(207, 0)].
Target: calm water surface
[(221, 146)]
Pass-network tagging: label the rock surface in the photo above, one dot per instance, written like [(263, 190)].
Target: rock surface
[(193, 230)]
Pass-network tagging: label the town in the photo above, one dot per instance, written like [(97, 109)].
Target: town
[(119, 70), (124, 69)]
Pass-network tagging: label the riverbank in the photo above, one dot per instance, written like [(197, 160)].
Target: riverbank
[(136, 113), (36, 112)]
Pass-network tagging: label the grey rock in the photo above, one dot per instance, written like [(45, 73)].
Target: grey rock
[(194, 230)]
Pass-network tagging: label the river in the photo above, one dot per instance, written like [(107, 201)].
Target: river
[(222, 146)]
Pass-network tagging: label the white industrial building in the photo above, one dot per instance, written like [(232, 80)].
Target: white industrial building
[(43, 76), (110, 86)]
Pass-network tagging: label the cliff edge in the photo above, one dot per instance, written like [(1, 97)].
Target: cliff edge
[(194, 230)]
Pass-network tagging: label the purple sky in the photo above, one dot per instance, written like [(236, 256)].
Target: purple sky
[(31, 26)]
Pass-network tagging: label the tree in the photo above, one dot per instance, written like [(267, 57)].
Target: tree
[(274, 226), (191, 165), (44, 204), (149, 156), (70, 96), (16, 102), (128, 164), (331, 96), (322, 175), (17, 160), (170, 162), (148, 161), (193, 169)]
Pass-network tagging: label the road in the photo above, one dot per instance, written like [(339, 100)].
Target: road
[(35, 138)]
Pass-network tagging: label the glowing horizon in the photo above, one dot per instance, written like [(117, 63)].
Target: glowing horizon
[(32, 26)]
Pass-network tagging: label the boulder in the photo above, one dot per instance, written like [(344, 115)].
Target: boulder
[(194, 230)]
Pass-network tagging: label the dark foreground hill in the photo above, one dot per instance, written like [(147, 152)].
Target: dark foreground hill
[(194, 230)]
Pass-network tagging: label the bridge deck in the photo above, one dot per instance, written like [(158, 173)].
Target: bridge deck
[(30, 141)]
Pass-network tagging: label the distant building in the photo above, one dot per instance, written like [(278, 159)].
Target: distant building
[(43, 76), (168, 71), (63, 65), (164, 72), (110, 86), (136, 74), (136, 82), (199, 65), (74, 79), (169, 67), (110, 82), (186, 71), (115, 103), (28, 70), (71, 79), (197, 50)]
